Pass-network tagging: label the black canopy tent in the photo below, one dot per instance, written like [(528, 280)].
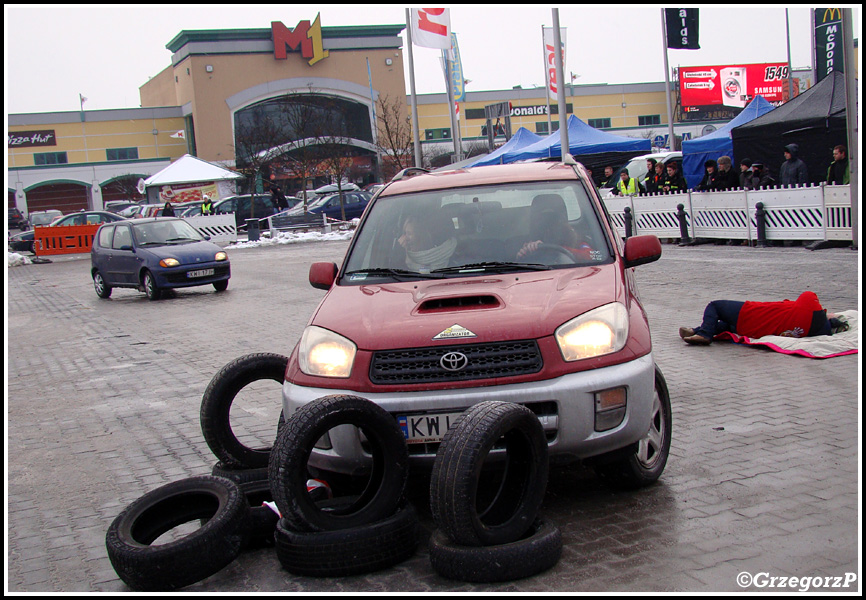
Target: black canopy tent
[(814, 120)]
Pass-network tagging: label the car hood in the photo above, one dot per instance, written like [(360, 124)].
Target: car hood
[(191, 253), (479, 309)]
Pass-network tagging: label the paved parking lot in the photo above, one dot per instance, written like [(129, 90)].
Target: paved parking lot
[(103, 403)]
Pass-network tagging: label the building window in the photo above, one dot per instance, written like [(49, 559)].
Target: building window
[(437, 134), (541, 127), (649, 120), (121, 153), (50, 158), (599, 123)]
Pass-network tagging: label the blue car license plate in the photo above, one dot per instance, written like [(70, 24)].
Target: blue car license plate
[(199, 273)]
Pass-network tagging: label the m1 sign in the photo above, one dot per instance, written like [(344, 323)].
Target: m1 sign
[(732, 85), (307, 37)]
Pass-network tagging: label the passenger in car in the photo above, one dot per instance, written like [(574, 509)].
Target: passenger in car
[(429, 243)]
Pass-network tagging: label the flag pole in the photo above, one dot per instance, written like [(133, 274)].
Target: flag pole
[(851, 118), (560, 88), (547, 83), (412, 99), (671, 137)]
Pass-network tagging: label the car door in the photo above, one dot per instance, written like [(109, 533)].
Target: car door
[(124, 262)]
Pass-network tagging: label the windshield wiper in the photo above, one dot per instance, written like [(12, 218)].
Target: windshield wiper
[(180, 239), (494, 266), (395, 273)]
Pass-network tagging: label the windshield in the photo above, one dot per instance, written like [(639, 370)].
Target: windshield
[(471, 231), (44, 218), (165, 231)]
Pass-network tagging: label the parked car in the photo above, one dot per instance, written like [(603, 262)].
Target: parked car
[(23, 242), (155, 254), (242, 206), (505, 282), (116, 206), (15, 220), (353, 202), (42, 217), (332, 187)]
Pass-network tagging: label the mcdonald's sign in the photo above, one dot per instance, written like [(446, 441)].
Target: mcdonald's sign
[(828, 41)]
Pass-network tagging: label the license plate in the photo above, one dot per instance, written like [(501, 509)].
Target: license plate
[(199, 273), (421, 429)]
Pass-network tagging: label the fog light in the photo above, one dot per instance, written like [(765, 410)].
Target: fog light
[(609, 408)]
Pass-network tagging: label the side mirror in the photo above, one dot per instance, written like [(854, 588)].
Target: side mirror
[(642, 249), (126, 247), (323, 275)]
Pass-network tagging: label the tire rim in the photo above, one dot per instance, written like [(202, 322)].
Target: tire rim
[(650, 447), (149, 286), (99, 284)]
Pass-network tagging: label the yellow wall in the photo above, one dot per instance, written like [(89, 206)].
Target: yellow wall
[(87, 142)]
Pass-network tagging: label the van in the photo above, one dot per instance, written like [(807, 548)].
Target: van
[(504, 282), (637, 169)]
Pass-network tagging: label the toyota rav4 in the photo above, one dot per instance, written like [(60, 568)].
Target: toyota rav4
[(505, 282)]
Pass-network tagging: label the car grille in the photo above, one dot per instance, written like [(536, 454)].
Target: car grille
[(483, 361)]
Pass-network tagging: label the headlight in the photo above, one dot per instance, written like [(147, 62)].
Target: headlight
[(221, 256), (326, 354), (600, 331), (169, 262)]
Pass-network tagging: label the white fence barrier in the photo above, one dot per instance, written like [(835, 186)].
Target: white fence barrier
[(821, 212), (222, 229)]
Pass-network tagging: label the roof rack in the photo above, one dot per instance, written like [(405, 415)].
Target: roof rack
[(409, 172)]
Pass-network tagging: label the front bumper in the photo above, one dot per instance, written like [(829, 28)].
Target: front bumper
[(176, 277), (565, 406)]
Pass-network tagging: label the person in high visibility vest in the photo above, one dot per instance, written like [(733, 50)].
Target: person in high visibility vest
[(627, 186), (206, 205)]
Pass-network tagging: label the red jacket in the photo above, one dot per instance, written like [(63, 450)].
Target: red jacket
[(758, 319)]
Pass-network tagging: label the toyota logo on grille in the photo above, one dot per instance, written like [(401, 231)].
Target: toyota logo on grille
[(454, 361)]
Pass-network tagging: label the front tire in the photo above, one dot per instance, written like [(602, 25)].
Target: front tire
[(151, 290), (221, 286), (103, 290)]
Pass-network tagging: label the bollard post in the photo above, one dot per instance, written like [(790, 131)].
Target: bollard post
[(253, 230), (761, 219), (628, 221), (684, 228)]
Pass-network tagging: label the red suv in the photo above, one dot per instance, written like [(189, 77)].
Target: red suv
[(505, 282)]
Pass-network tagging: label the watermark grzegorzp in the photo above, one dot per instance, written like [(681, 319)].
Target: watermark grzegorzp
[(802, 584)]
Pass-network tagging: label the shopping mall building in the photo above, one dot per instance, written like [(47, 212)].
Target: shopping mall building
[(228, 94)]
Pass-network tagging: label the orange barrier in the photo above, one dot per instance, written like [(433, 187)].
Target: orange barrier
[(65, 239)]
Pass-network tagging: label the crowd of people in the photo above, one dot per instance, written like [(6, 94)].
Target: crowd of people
[(720, 175)]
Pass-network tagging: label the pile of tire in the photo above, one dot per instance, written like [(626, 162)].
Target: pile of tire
[(493, 534), (228, 503), (354, 534)]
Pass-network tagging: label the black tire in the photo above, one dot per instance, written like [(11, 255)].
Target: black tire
[(262, 521), (221, 286), (103, 290), (351, 551), (179, 563), (646, 465), (288, 465), (538, 551), (151, 290), (470, 515), (217, 401), (242, 477)]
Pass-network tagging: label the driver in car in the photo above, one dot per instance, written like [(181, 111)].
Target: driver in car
[(548, 224)]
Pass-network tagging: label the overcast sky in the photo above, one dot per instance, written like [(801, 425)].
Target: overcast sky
[(55, 52)]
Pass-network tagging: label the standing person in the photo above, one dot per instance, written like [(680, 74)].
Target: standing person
[(708, 182), (627, 186), (838, 173), (761, 177), (608, 173), (206, 205), (727, 179), (803, 317), (167, 210), (793, 170), (653, 181), (746, 173), (674, 182), (279, 198)]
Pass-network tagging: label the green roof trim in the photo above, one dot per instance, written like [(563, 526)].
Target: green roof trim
[(222, 35)]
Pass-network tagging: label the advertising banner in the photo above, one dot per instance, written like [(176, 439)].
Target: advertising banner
[(431, 27), (734, 86), (27, 139), (457, 82), (828, 42), (681, 26), (550, 59), (187, 192)]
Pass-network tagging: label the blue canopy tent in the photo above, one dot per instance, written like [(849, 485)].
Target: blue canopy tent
[(522, 138), (590, 146), (719, 143)]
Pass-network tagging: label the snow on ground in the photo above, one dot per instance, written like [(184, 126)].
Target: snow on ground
[(16, 260), (288, 237)]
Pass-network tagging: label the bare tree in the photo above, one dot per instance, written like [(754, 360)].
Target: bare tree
[(128, 185), (257, 143), (395, 140)]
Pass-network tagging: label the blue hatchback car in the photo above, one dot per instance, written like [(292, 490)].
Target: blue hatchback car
[(155, 254)]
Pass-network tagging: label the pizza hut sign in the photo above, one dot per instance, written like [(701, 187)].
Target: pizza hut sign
[(26, 139)]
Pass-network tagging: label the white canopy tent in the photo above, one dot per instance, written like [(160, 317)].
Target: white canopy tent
[(187, 171)]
